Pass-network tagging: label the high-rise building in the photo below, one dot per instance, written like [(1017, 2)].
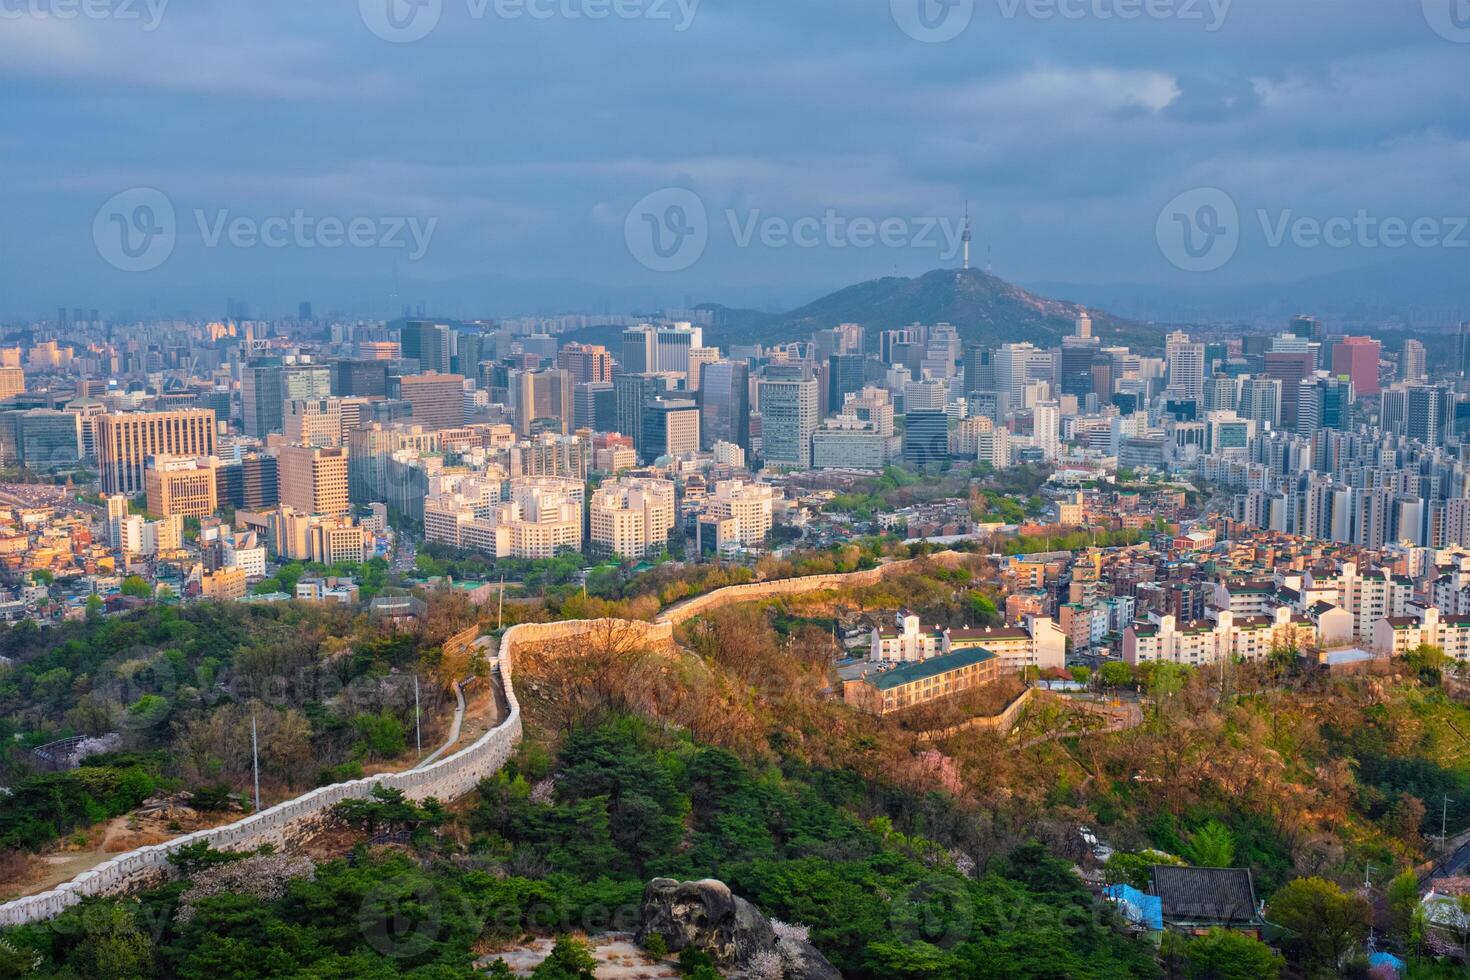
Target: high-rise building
[(925, 436), (254, 483), (184, 487), (1076, 364), (631, 518), (47, 439), (595, 406), (844, 377), (261, 396), (741, 513), (673, 344), (1186, 366), (12, 381), (724, 403), (437, 399), (1463, 364), (670, 428), (427, 343), (979, 371), (640, 350), (1017, 365), (543, 401), (1289, 367), (872, 404), (1414, 364), (317, 422), (360, 378), (125, 441), (1357, 358), (314, 479), (698, 358), (1046, 428), (788, 405), (1307, 327), (585, 363)]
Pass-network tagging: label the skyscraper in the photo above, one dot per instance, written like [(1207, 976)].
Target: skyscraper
[(437, 399), (670, 428), (1414, 365), (360, 378), (844, 376), (640, 350), (262, 396), (1186, 366), (788, 405), (724, 404), (314, 479), (925, 437), (125, 441), (585, 363), (427, 343), (1357, 357), (1289, 367), (543, 401)]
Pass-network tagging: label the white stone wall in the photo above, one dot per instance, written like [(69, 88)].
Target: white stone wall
[(450, 778)]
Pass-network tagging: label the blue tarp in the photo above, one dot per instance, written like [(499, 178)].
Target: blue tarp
[(1388, 960), (1146, 910)]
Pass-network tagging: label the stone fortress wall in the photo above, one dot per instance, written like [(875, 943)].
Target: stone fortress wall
[(298, 819)]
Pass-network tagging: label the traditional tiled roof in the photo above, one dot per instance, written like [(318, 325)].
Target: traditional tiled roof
[(1225, 895)]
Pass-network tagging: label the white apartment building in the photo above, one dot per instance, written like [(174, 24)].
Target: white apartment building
[(1039, 644), (747, 505), (632, 517), (1209, 641), (541, 518), (1398, 635)]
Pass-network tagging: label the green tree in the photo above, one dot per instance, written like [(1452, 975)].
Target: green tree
[(1325, 921), (1403, 906), (1115, 674), (1212, 846), (136, 586), (982, 607), (1222, 955), (570, 959), (94, 606)]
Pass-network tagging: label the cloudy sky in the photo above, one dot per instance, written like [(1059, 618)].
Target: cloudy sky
[(754, 151)]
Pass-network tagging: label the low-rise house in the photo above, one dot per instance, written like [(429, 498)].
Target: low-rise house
[(1197, 900)]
